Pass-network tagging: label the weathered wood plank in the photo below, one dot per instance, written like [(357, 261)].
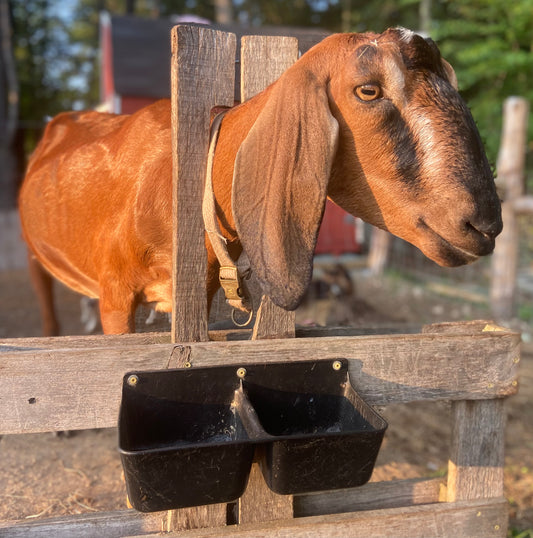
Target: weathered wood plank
[(111, 524), (100, 524), (232, 333), (263, 60), (196, 517), (76, 388), (132, 523), (511, 185), (259, 503), (273, 322), (203, 76), (465, 519), (475, 469), (465, 327), (504, 266), (372, 496)]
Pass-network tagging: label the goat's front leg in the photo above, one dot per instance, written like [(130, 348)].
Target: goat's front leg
[(117, 309)]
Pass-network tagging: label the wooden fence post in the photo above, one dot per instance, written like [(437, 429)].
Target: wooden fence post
[(263, 60), (378, 255), (475, 469), (203, 75), (510, 181)]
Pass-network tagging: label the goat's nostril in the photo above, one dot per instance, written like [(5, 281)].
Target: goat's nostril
[(489, 229)]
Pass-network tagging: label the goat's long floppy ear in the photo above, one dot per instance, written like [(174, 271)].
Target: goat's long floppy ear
[(280, 182)]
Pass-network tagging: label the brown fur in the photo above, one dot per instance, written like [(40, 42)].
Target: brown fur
[(96, 202)]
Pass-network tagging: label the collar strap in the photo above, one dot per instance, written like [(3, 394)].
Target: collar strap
[(231, 277)]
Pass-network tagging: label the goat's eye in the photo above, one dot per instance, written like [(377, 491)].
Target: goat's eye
[(368, 92)]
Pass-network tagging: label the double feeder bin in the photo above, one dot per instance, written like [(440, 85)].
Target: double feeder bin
[(188, 437)]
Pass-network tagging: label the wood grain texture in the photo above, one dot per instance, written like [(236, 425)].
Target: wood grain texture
[(475, 470), (203, 67), (203, 74), (263, 60), (259, 503), (511, 184), (465, 519), (383, 369), (372, 496), (101, 524), (273, 322), (196, 517)]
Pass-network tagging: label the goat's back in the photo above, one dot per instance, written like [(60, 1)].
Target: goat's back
[(97, 188)]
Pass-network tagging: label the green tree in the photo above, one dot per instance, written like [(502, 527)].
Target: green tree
[(490, 45)]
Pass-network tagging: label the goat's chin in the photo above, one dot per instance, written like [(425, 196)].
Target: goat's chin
[(446, 253), (451, 257)]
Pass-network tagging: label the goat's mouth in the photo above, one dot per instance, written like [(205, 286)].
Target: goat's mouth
[(448, 254)]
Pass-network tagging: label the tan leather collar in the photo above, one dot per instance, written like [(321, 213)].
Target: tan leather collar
[(232, 276)]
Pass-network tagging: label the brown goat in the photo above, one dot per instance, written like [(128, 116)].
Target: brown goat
[(373, 121)]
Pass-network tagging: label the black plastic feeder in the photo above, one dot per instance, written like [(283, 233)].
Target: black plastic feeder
[(181, 441), (323, 436), (187, 437)]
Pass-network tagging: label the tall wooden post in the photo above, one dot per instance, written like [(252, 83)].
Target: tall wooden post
[(203, 63), (510, 182), (263, 60)]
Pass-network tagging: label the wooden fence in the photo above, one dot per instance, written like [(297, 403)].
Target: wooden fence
[(473, 365), (512, 186)]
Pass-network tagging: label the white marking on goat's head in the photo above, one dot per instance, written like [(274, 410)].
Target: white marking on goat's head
[(375, 122), (413, 162), (405, 34)]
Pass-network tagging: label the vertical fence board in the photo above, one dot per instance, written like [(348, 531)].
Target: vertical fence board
[(203, 74), (511, 183), (273, 322), (475, 470), (264, 59), (203, 66), (380, 244)]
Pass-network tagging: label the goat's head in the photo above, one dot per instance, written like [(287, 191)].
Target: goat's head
[(375, 122)]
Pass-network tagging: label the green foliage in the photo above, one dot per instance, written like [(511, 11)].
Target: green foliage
[(525, 313), (490, 45), (33, 28), (513, 533), (378, 16)]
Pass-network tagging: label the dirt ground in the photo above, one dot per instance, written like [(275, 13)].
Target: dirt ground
[(44, 475)]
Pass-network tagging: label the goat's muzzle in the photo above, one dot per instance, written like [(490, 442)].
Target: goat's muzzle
[(463, 243)]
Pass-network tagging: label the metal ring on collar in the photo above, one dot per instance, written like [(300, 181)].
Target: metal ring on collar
[(237, 323)]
